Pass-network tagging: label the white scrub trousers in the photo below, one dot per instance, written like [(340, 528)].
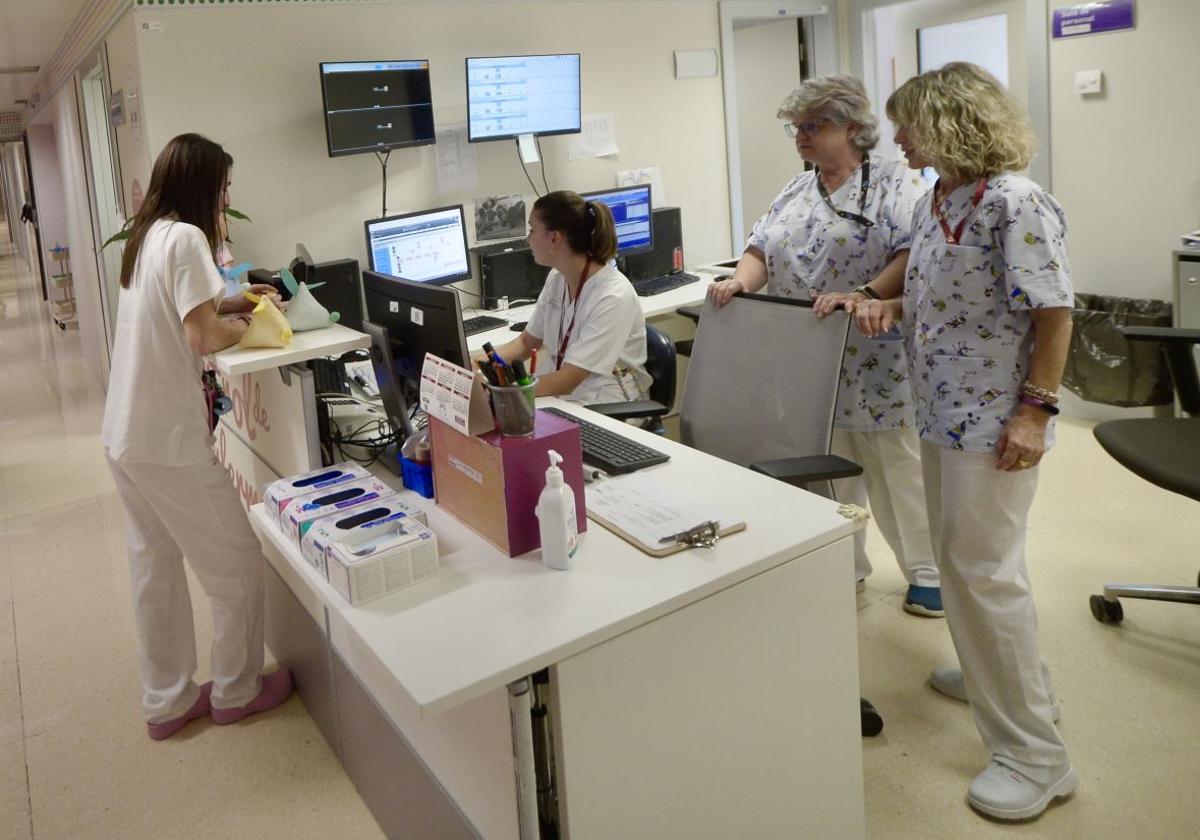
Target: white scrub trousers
[(193, 511), (891, 483), (978, 516)]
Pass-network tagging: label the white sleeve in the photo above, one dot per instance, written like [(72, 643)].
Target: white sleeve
[(597, 342), (536, 326), (191, 271)]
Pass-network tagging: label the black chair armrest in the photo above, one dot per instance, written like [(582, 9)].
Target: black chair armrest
[(690, 311), (629, 410), (1167, 335), (1177, 344), (803, 470)]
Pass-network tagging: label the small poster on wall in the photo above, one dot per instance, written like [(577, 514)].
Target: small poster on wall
[(1092, 18), (499, 217), (116, 108)]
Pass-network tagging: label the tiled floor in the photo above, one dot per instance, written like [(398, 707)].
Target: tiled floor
[(75, 762)]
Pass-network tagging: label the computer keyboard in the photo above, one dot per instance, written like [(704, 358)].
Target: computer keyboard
[(657, 285), (609, 451), (482, 323), (329, 376)]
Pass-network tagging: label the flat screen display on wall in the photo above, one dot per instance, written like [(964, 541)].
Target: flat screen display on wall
[(508, 96), (374, 106)]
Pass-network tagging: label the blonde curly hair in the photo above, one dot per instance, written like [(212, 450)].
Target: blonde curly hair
[(964, 122)]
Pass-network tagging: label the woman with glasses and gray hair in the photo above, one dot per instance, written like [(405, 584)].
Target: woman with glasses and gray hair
[(832, 232)]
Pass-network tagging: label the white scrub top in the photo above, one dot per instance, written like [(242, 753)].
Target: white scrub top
[(810, 250), (155, 412), (967, 306), (608, 339)]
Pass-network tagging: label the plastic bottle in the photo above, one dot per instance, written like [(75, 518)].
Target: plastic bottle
[(556, 518)]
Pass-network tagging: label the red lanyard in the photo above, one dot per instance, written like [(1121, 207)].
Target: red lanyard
[(952, 237), (566, 336)]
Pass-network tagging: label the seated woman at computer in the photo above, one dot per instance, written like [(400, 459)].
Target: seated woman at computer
[(836, 229), (587, 327)]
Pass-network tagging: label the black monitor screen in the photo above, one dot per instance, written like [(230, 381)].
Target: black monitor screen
[(419, 319), (631, 209), (522, 94), (429, 246), (373, 106)]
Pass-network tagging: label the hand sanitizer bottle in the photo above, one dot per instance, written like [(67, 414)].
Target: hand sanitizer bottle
[(556, 518)]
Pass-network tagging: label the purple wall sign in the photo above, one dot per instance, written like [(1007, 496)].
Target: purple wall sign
[(1090, 18)]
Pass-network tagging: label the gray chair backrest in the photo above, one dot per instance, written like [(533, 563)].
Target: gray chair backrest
[(763, 380)]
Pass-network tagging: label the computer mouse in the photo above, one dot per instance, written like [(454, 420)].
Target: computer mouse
[(517, 326)]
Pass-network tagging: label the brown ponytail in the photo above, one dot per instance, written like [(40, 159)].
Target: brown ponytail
[(587, 225)]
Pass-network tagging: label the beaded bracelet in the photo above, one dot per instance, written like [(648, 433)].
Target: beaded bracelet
[(1049, 408), (1039, 393)]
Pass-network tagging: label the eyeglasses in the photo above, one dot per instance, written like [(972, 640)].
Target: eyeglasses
[(808, 128)]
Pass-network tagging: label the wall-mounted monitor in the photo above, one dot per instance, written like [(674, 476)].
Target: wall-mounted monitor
[(428, 246), (508, 96), (375, 106), (631, 210)]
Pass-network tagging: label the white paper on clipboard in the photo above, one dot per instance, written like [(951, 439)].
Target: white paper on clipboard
[(455, 396), (647, 510)]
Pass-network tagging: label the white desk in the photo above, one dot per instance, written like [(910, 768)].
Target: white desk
[(712, 693), (653, 306)]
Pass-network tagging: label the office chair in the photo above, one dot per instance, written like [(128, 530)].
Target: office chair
[(660, 364), (761, 391), (1164, 451)]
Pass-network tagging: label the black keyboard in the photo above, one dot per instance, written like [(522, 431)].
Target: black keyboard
[(612, 452), (329, 376), (657, 285), (482, 323)]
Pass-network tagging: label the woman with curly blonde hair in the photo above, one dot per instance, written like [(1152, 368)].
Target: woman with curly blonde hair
[(986, 306)]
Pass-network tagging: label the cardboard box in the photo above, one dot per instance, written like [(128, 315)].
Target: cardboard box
[(359, 525), (277, 494), (300, 513), (492, 483), (405, 554)]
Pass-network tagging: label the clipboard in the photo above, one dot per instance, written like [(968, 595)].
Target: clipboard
[(653, 517)]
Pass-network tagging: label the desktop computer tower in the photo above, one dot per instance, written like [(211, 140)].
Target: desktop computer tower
[(507, 269), (667, 255)]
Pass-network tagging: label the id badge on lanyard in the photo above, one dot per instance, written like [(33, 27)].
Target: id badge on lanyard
[(566, 336)]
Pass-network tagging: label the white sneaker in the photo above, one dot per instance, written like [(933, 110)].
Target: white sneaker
[(1008, 794), (949, 681)]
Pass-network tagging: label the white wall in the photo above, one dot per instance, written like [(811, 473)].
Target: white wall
[(248, 78), (1125, 162), (768, 69)]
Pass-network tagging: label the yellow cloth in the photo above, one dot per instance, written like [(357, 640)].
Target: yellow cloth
[(268, 327)]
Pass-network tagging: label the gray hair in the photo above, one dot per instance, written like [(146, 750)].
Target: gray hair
[(839, 99)]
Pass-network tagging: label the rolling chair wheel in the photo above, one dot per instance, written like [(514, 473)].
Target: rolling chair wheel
[(1106, 612), (872, 721)]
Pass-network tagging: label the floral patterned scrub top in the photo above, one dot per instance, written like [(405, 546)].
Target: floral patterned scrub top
[(811, 250), (966, 306)]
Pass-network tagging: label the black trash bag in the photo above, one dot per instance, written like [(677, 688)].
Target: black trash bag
[(1103, 366)]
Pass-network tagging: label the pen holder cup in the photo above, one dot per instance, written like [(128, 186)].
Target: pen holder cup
[(513, 407)]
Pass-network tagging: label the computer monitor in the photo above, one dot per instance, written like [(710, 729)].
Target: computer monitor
[(339, 289), (508, 96), (631, 210), (384, 366), (419, 319), (428, 246), (375, 106)]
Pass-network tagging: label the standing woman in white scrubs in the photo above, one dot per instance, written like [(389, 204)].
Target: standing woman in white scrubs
[(834, 233), (986, 306), (179, 500), (587, 325)]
